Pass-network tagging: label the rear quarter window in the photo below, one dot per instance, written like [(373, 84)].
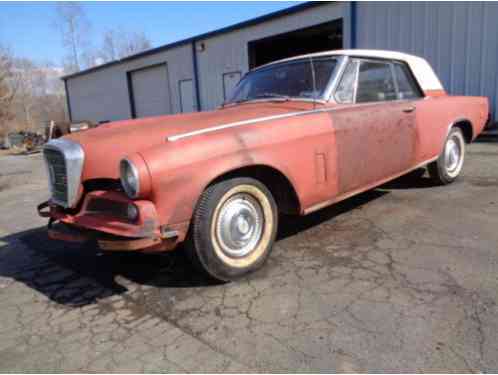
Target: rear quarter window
[(407, 87), (375, 82)]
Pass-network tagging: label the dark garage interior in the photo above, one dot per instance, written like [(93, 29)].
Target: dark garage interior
[(323, 37)]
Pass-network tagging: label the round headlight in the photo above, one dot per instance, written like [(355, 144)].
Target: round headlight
[(129, 178)]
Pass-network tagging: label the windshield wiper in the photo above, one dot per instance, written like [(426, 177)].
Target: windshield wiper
[(271, 95), (225, 104), (263, 95)]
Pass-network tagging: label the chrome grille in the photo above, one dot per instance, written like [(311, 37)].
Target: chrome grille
[(57, 174), (64, 160)]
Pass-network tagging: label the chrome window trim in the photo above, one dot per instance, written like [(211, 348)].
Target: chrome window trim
[(395, 81), (339, 79), (357, 78), (377, 61), (389, 62), (74, 158), (335, 79), (324, 98), (410, 77)]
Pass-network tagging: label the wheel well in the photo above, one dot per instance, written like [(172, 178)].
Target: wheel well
[(278, 184), (466, 127)]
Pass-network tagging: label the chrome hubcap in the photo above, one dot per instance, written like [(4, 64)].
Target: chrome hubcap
[(452, 154), (239, 225)]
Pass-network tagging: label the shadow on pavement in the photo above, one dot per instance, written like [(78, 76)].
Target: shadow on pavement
[(417, 179), (78, 275), (488, 137), (291, 225)]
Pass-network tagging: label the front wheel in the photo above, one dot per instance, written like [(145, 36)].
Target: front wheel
[(449, 164), (233, 228)]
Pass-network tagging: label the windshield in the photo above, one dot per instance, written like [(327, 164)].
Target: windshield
[(285, 81)]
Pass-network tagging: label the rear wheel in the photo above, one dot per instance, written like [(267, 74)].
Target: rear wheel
[(233, 228), (449, 164)]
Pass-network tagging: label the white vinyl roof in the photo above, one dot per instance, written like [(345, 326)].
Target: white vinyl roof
[(421, 69)]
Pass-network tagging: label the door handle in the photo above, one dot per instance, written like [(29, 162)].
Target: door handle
[(409, 109)]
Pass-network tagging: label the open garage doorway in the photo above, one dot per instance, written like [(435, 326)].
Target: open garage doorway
[(322, 37)]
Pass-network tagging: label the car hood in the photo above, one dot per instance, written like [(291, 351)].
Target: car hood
[(107, 144)]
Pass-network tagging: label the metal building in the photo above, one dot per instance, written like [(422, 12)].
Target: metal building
[(460, 40)]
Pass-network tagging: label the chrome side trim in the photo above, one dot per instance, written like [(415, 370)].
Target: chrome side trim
[(256, 120), (74, 157), (349, 194), (241, 123)]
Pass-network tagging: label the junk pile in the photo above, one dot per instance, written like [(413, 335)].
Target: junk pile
[(23, 141)]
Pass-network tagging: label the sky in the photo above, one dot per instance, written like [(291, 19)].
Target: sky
[(27, 28)]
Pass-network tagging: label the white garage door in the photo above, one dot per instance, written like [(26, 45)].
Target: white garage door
[(151, 95)]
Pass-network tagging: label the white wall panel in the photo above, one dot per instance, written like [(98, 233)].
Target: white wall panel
[(228, 52), (103, 94), (460, 40)]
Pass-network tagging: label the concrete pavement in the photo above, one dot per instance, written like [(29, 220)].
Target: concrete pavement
[(401, 278)]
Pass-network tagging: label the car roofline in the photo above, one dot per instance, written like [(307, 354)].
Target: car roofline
[(420, 68)]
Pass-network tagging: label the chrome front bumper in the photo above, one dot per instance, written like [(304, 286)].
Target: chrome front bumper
[(109, 228)]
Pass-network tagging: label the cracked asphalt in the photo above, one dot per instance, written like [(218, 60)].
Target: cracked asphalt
[(399, 279)]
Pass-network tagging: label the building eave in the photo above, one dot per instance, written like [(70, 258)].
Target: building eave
[(237, 26)]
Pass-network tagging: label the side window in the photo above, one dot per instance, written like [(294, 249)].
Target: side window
[(375, 82), (407, 88), (345, 90), (323, 71)]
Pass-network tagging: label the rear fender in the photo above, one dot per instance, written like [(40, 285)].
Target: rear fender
[(436, 116)]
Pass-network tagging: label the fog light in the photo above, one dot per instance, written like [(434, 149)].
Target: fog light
[(132, 212)]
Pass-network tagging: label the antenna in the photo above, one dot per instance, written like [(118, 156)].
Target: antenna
[(314, 82)]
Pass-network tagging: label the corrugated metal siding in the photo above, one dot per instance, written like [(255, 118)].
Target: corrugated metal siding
[(229, 52), (459, 39), (103, 94)]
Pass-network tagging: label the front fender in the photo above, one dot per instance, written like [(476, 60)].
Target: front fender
[(182, 169), (177, 183)]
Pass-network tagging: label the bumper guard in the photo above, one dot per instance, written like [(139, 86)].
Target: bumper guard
[(109, 233)]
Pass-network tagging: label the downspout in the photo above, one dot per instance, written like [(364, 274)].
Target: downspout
[(352, 22), (196, 77), (68, 102), (131, 99)]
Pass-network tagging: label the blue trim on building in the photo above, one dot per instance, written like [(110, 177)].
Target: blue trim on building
[(353, 24), (196, 78)]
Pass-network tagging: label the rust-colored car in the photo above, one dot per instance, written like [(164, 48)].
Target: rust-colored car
[(297, 135)]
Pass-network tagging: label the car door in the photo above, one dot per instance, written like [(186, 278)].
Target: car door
[(375, 130), (409, 91)]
